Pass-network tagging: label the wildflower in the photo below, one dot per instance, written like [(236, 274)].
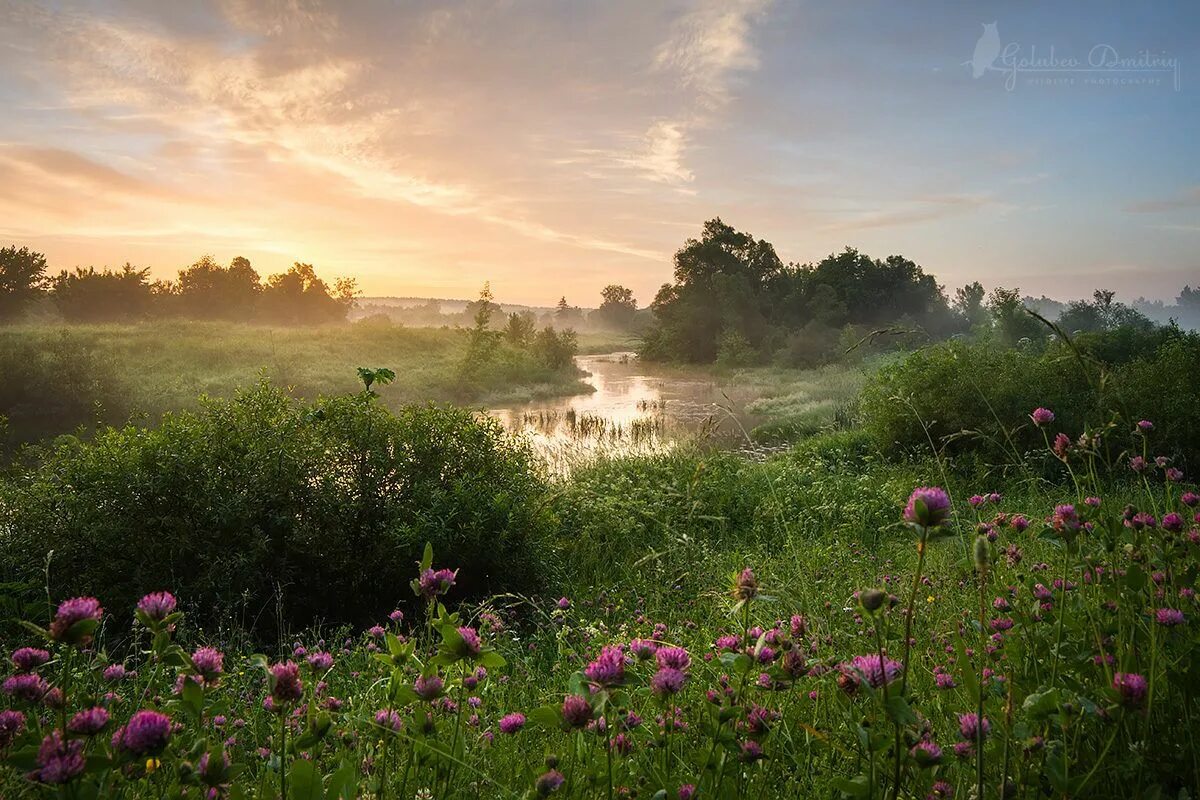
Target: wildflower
[(58, 760), (940, 791), (928, 506), (157, 606), (88, 722), (1138, 464), (26, 686), (926, 753), (976, 500), (576, 711), (667, 681), (1042, 416), (1142, 520), (396, 616), (75, 620), (1020, 523), (548, 782), (759, 720), (209, 663), (1174, 474), (432, 582), (1169, 617), (147, 733), (944, 680), (1145, 426), (286, 686), (643, 649), (873, 669), (745, 585), (389, 719), (1061, 446), (687, 791), (115, 672), (11, 724), (673, 657), (1172, 522), (563, 604), (1001, 624), (969, 726), (320, 661), (470, 641), (1190, 499), (27, 659), (376, 631), (751, 751), (511, 723), (609, 667), (428, 688), (1131, 687), (729, 643)]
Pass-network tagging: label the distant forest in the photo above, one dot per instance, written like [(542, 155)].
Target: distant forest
[(733, 301)]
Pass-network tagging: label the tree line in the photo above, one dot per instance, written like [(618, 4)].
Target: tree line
[(733, 301), (203, 290)]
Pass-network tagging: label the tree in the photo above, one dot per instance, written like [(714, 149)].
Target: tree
[(88, 295), (969, 304), (566, 314), (299, 296), (481, 341), (520, 328), (555, 349), (1014, 325), (618, 308), (22, 280), (206, 290)]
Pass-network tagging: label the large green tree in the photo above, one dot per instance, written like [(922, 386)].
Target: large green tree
[(22, 280)]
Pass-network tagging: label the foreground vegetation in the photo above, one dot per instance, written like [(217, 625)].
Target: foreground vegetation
[(1066, 628)]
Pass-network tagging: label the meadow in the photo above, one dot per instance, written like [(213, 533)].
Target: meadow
[(60, 378), (402, 604)]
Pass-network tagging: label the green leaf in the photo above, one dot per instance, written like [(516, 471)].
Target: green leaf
[(853, 787), (304, 782), (898, 710), (491, 659), (427, 557), (343, 783), (547, 716)]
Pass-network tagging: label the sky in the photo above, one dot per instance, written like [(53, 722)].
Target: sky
[(553, 147)]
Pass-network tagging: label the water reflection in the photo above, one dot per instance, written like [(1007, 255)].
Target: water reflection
[(634, 409)]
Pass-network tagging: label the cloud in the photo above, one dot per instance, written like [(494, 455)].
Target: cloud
[(1188, 198)]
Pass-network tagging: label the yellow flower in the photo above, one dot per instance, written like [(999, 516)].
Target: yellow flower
[(152, 764), (929, 599)]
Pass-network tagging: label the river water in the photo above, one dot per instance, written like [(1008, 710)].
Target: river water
[(634, 408)]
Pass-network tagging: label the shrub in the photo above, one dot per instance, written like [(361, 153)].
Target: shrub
[(321, 508)]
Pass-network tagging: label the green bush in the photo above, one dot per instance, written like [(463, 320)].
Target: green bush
[(261, 507), (972, 400)]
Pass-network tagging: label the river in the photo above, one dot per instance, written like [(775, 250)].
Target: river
[(634, 408)]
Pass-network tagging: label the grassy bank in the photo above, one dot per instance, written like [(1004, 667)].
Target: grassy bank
[(58, 378)]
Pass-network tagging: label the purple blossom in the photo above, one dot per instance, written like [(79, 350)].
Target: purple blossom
[(875, 671), (1042, 416), (157, 605), (320, 661), (643, 649), (1169, 617), (286, 686), (745, 585), (11, 724), (673, 657), (563, 604), (428, 688), (1145, 425), (471, 643), (209, 663), (115, 672), (687, 791), (609, 667), (432, 582), (940, 791), (926, 753), (1190, 499), (88, 722), (58, 760), (72, 612), (667, 681), (1174, 474), (1138, 464), (576, 711), (389, 719), (1131, 687), (1172, 522), (27, 659), (26, 686), (548, 782), (969, 727), (928, 506), (147, 732), (511, 723)]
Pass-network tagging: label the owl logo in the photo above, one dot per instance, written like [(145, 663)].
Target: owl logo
[(986, 50)]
